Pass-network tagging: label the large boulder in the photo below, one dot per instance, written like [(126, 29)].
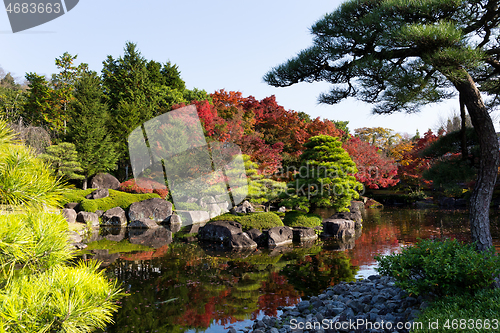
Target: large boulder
[(69, 215), (257, 236), (73, 205), (143, 224), (104, 180), (114, 217), (279, 236), (156, 238), (219, 231), (339, 228), (156, 209), (98, 194), (211, 205), (241, 241), (304, 234), (88, 218)]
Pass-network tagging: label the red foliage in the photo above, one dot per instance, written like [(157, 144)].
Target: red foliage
[(267, 156), (414, 165), (374, 170), (144, 185)]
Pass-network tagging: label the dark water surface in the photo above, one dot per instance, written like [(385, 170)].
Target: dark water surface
[(184, 287)]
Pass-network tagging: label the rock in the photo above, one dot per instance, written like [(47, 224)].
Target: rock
[(279, 236), (213, 208), (370, 203), (155, 238), (114, 234), (193, 216), (72, 205), (104, 180), (282, 209), (89, 218), (219, 231), (241, 241), (99, 212), (69, 214), (354, 214), (114, 217), (98, 194), (339, 228), (156, 209), (175, 219), (143, 224), (79, 246), (304, 234), (254, 233), (74, 237), (244, 208)]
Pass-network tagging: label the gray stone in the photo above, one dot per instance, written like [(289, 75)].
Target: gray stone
[(72, 205), (354, 214), (104, 180), (69, 215), (339, 228), (89, 218), (114, 217), (156, 209), (143, 224), (219, 231), (74, 237), (155, 238), (98, 194), (245, 207), (282, 209), (99, 212), (279, 236), (304, 234), (175, 219)]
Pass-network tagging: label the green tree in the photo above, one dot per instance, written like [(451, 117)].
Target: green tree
[(88, 130), (64, 160), (400, 55), (325, 177), (40, 104)]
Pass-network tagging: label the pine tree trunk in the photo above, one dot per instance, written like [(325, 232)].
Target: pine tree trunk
[(84, 187), (488, 164), (463, 130)]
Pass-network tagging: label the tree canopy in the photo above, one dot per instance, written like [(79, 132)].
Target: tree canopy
[(402, 54)]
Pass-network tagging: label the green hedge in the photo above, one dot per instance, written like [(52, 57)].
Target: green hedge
[(300, 219), (253, 220), (115, 199)]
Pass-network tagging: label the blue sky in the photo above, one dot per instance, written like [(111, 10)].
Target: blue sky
[(216, 44)]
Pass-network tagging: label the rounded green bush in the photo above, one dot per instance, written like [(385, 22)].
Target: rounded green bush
[(443, 267), (115, 199), (300, 219)]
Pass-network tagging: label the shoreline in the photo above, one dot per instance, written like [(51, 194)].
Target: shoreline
[(373, 305)]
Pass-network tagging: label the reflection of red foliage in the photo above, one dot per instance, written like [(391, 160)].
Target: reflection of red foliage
[(146, 255), (276, 292), (373, 241)]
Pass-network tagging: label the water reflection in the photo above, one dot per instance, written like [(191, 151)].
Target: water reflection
[(181, 287)]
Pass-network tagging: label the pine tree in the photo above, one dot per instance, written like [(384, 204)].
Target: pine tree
[(88, 129), (64, 160), (325, 177)]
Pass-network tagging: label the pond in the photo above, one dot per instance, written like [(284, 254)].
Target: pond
[(186, 287)]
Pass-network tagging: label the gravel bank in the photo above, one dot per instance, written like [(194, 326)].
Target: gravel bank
[(371, 305)]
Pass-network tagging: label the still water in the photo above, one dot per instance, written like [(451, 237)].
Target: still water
[(186, 287)]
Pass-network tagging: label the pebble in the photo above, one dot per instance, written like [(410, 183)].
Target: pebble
[(374, 303)]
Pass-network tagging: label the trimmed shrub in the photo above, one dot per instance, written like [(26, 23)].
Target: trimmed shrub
[(301, 219), (252, 220), (142, 186), (443, 267)]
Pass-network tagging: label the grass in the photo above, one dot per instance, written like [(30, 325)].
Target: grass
[(463, 313), (115, 199), (253, 220), (300, 219)]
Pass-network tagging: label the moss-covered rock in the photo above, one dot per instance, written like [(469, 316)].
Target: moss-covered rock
[(115, 199), (300, 219), (253, 220)]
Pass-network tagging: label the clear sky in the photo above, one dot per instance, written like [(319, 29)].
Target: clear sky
[(217, 44)]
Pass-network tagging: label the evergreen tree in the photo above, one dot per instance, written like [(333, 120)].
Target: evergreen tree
[(63, 159), (325, 177), (88, 129)]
